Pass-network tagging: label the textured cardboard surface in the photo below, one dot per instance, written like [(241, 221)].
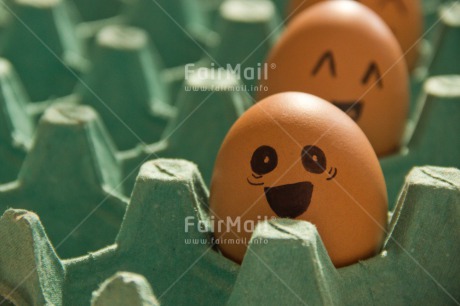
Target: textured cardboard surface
[(124, 289), (432, 140), (136, 95), (30, 271), (70, 176), (16, 125), (189, 27), (72, 167), (253, 26), (417, 264), (126, 68), (57, 52), (166, 192), (204, 116)]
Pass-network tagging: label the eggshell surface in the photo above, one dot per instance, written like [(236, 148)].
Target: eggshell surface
[(294, 155), (404, 17), (343, 52)]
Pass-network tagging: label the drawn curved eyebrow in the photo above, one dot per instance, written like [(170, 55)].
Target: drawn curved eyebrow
[(372, 70), (326, 57)]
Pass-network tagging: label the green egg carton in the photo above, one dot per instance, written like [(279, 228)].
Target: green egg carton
[(125, 87), (16, 125), (71, 175), (416, 265), (40, 41), (72, 155), (173, 186), (207, 107), (97, 10), (286, 263), (432, 139), (138, 98), (255, 27), (440, 40), (179, 28), (91, 90), (204, 117), (125, 288)]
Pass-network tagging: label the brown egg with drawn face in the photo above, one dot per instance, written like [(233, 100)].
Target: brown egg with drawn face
[(294, 155), (343, 52), (404, 17)]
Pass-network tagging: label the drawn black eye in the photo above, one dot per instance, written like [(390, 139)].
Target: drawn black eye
[(313, 159), (372, 70), (326, 59), (264, 160)]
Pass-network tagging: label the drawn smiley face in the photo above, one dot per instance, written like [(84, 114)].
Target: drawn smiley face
[(354, 107), (344, 53), (294, 155), (288, 200), (403, 17)]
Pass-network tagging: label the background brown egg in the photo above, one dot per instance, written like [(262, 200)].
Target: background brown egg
[(404, 17), (343, 52), (338, 185)]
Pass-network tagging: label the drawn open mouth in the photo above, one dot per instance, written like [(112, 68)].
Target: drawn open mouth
[(352, 109), (291, 200)]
